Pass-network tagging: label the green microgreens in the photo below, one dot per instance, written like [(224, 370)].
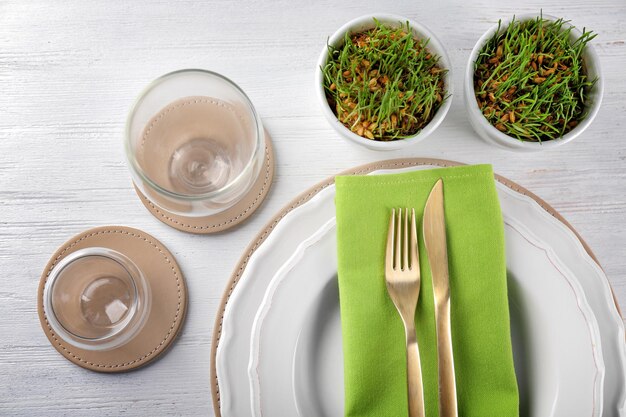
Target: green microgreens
[(383, 84), (530, 80)]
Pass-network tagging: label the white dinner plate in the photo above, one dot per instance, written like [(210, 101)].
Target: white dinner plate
[(296, 366), (231, 384)]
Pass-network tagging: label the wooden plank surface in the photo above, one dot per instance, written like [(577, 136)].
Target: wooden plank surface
[(69, 71)]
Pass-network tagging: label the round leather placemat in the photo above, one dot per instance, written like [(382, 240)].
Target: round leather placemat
[(310, 193), (169, 299), (231, 216)]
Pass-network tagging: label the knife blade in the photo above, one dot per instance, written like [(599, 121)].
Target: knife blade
[(434, 230)]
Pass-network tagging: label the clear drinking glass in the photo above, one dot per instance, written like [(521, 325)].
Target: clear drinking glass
[(194, 143), (96, 299)]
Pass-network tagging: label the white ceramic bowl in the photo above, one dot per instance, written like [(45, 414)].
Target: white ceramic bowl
[(492, 135), (367, 22)]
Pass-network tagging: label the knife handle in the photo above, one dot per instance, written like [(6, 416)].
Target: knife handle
[(414, 374), (447, 383)]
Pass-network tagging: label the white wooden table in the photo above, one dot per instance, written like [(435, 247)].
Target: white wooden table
[(69, 71)]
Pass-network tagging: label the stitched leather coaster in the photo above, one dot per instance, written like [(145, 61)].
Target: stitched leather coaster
[(229, 217), (169, 299)]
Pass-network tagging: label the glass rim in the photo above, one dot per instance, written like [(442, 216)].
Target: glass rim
[(92, 342), (132, 161)]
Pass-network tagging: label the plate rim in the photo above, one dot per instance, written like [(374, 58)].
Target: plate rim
[(310, 193)]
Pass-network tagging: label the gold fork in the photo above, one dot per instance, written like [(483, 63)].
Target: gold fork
[(402, 276)]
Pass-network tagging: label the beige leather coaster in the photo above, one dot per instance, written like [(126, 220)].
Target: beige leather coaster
[(228, 218), (169, 299)]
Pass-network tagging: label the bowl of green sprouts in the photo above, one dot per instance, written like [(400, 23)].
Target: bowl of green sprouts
[(533, 83), (384, 81)]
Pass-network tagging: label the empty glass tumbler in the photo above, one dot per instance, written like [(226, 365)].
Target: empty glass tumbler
[(194, 143), (96, 299)]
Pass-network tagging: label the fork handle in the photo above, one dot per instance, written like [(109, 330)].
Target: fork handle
[(414, 374)]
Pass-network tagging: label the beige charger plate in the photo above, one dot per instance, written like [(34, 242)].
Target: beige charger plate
[(310, 193), (169, 299)]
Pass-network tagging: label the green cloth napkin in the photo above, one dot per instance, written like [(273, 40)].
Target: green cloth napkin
[(373, 334)]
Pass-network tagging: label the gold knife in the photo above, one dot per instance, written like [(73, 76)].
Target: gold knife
[(434, 229)]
